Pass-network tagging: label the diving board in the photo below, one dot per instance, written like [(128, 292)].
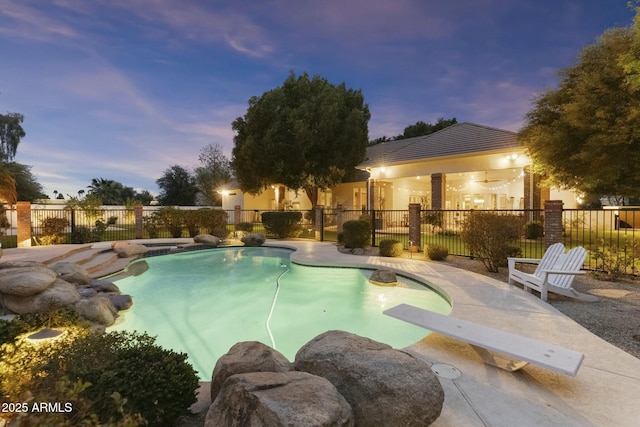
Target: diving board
[(519, 350)]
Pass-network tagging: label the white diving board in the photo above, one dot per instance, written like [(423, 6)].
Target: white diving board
[(518, 349)]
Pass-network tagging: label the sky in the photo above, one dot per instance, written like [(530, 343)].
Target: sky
[(124, 89)]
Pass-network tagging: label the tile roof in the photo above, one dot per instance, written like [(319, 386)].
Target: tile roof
[(461, 138)]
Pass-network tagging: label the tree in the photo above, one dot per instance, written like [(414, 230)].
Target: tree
[(115, 193), (630, 60), (586, 133), (177, 187), (419, 129), (213, 174), (306, 134), (28, 189), (107, 190), (10, 134)]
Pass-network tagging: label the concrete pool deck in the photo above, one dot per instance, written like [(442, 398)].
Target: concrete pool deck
[(605, 391)]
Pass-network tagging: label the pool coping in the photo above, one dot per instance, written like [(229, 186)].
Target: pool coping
[(605, 391)]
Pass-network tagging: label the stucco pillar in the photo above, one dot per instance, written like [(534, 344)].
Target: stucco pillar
[(371, 196), (553, 229), (24, 224), (438, 190), (414, 225), (138, 212)]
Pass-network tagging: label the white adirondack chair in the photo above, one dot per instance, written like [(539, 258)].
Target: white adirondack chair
[(555, 272)]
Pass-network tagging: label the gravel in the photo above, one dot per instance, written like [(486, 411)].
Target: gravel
[(615, 317)]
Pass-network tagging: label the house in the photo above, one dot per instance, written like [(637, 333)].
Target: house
[(464, 166)]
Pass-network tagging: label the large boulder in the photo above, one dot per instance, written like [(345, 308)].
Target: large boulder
[(379, 383), (104, 286), (207, 239), (127, 249), (273, 399), (71, 272), (98, 309), (247, 356), (59, 294), (254, 239), (384, 278), (120, 302), (26, 281)]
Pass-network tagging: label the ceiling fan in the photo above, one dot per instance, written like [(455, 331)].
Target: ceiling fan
[(486, 180)]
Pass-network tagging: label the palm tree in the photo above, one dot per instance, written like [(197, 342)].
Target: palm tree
[(8, 192), (107, 190)]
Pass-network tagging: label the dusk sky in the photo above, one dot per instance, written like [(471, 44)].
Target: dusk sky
[(123, 89)]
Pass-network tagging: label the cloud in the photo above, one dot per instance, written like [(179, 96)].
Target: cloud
[(31, 23)]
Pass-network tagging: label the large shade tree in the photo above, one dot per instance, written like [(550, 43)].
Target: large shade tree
[(214, 171), (177, 187), (306, 134), (586, 133)]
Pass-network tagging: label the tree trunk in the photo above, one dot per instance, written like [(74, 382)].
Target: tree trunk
[(312, 194)]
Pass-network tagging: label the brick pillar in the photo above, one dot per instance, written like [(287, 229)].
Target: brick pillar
[(138, 212), (553, 228), (339, 217), (438, 190), (24, 224), (414, 225), (237, 214), (319, 223), (532, 194)]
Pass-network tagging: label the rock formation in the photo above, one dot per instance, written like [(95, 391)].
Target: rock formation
[(339, 379)]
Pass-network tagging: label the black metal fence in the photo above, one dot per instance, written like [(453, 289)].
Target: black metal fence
[(612, 236)]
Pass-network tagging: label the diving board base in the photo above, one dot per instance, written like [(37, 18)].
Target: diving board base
[(506, 363), (496, 347)]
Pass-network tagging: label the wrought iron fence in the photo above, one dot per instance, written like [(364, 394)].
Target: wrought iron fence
[(8, 226)]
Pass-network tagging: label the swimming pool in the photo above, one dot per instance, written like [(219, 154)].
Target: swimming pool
[(203, 302)]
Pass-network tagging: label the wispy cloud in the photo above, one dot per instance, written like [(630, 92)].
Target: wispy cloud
[(24, 21)]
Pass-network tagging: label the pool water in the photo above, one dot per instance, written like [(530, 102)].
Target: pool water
[(203, 302)]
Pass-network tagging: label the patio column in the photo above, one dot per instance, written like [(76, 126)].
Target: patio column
[(438, 190), (319, 214), (24, 224), (553, 229), (414, 225), (534, 195), (339, 218)]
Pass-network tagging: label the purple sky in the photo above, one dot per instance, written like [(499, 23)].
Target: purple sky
[(123, 89)]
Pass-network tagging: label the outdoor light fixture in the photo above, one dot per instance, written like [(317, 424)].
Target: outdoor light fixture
[(45, 335)]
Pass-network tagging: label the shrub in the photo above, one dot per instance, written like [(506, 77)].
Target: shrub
[(118, 374), (83, 234), (192, 220), (437, 252), (615, 260), (340, 238), (150, 225), (53, 231), (391, 248), (221, 232), (171, 218), (356, 233), (247, 227), (282, 224), (533, 230), (491, 237), (214, 221)]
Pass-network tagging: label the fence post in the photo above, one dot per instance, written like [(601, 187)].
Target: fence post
[(414, 225), (24, 224), (319, 222), (339, 218), (137, 210), (237, 214), (553, 229)]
